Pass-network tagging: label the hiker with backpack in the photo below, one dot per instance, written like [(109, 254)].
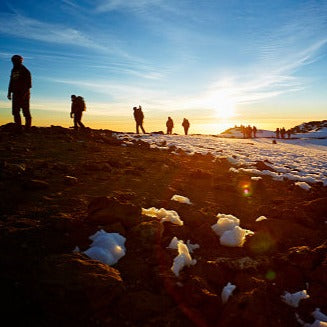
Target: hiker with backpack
[(77, 108)]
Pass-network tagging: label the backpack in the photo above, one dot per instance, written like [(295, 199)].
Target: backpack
[(80, 103)]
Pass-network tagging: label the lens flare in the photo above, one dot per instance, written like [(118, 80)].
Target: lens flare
[(270, 275), (246, 189)]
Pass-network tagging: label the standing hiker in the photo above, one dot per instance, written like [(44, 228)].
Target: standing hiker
[(19, 92), (139, 117), (77, 108), (186, 125), (170, 125)]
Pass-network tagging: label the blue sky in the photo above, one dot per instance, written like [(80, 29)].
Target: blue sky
[(216, 62)]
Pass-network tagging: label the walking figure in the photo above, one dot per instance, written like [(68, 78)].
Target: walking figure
[(139, 117), (277, 132), (254, 129), (170, 125), (186, 125), (282, 133), (289, 133), (77, 108), (19, 92)]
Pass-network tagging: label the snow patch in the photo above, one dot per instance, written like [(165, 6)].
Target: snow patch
[(181, 199), (106, 247), (303, 185), (174, 244), (293, 299), (227, 292), (164, 215), (261, 218), (183, 258), (227, 227)]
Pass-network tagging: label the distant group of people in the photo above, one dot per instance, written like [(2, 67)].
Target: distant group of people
[(281, 133), (248, 131), (139, 117), (19, 92)]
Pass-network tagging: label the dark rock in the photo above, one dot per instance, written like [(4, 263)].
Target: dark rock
[(73, 288), (70, 180), (148, 233), (35, 184), (260, 165), (106, 210)]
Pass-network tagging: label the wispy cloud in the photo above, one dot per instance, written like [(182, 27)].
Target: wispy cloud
[(24, 27), (133, 5)]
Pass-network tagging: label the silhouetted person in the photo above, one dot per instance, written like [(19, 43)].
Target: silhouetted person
[(77, 108), (139, 117), (254, 129), (282, 132), (19, 92), (289, 132), (243, 131), (249, 131), (170, 125), (186, 125), (277, 133)]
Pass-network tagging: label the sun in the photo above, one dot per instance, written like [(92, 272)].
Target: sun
[(221, 103), (225, 110)]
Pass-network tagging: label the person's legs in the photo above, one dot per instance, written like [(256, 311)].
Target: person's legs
[(141, 125), (16, 103), (137, 128), (26, 111), (79, 122)]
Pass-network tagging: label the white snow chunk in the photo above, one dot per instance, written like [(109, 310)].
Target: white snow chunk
[(181, 199), (76, 250), (224, 223), (317, 323), (318, 315), (192, 247), (303, 185), (256, 178), (106, 247), (235, 237), (293, 299), (227, 292), (163, 215), (183, 259), (261, 218), (174, 244), (227, 227)]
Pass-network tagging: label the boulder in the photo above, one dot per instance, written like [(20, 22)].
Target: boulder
[(108, 210), (72, 288)]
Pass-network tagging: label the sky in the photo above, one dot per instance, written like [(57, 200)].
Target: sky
[(218, 63)]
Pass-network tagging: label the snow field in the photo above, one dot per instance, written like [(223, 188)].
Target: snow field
[(300, 160)]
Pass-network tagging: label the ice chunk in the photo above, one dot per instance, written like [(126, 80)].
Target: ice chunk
[(224, 223), (174, 244), (183, 259), (293, 299), (234, 237), (227, 292), (106, 247), (261, 218), (76, 250), (163, 215), (303, 185), (181, 199), (192, 247), (231, 234), (318, 315)]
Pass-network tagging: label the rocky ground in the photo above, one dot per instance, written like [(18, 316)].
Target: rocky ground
[(59, 186)]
